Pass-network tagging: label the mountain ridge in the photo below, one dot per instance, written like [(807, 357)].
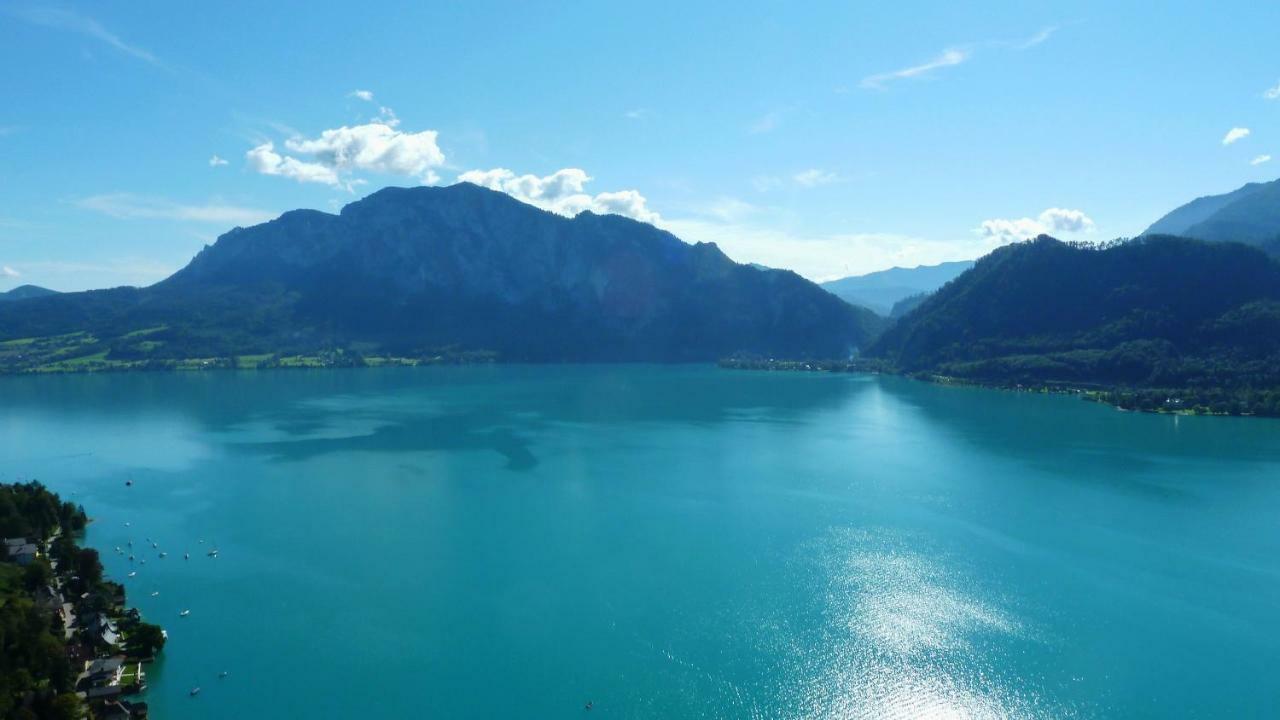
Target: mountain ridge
[(412, 270)]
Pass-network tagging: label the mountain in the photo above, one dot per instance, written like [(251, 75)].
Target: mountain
[(1250, 214), (1157, 312), (881, 290), (23, 292), (412, 271)]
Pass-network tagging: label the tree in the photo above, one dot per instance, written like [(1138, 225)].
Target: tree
[(147, 639), (89, 567)]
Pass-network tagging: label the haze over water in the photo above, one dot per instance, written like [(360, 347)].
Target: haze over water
[(680, 542)]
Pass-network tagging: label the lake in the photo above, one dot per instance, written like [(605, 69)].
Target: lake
[(668, 542)]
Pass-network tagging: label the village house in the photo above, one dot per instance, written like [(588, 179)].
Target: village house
[(21, 551)]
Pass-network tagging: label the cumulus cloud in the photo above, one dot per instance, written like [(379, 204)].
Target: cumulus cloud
[(562, 192), (9, 272), (1260, 159), (948, 58), (264, 159), (1064, 220), (336, 154), (1272, 93), (366, 95), (216, 161), (814, 177), (1052, 220), (1234, 134), (128, 206)]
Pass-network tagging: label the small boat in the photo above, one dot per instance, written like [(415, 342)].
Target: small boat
[(130, 558), (155, 593), (155, 546), (201, 541), (128, 483), (143, 561), (184, 613), (164, 633), (223, 674), (195, 691), (186, 556), (163, 555), (212, 553), (133, 573), (130, 543)]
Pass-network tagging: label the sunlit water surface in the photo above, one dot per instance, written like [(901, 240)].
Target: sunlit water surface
[(674, 542)]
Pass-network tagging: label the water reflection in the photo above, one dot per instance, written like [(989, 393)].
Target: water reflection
[(909, 637)]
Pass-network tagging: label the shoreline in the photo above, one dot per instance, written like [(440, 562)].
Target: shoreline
[(1124, 399)]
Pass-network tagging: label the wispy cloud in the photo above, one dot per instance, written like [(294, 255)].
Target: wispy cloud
[(366, 95), (1234, 134), (814, 177), (1272, 93), (1260, 159), (1036, 39), (60, 19), (9, 272), (128, 206), (949, 58), (637, 114), (767, 122), (216, 161)]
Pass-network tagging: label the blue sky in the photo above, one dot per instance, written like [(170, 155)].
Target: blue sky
[(830, 138)]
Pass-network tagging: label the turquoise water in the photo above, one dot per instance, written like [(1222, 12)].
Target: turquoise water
[(669, 542)]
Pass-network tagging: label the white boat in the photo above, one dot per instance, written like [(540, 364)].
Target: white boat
[(155, 593), (195, 691), (186, 556), (133, 573), (184, 613)]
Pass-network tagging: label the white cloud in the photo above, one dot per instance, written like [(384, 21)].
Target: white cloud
[(1272, 93), (216, 161), (1052, 220), (767, 122), (84, 25), (365, 95), (948, 58), (1063, 220), (815, 177), (1234, 134), (375, 146), (128, 206), (1260, 159), (562, 192), (9, 272), (637, 114), (1036, 39), (264, 159)]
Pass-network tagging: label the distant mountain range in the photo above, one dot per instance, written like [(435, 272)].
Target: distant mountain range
[(880, 291), (1157, 312), (420, 271), (1250, 215), (24, 292)]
